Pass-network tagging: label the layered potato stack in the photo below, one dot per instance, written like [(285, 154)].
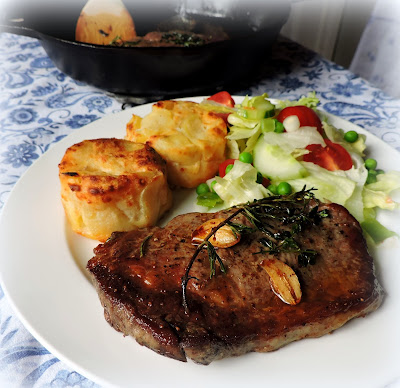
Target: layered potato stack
[(190, 138), (110, 185)]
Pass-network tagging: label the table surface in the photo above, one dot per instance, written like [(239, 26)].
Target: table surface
[(39, 105)]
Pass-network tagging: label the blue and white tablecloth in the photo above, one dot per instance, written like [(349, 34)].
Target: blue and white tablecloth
[(39, 105)]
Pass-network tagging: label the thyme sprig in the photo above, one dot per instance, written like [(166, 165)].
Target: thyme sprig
[(293, 210), (289, 245), (212, 257), (299, 218)]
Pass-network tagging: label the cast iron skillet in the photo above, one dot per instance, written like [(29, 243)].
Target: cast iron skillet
[(153, 72)]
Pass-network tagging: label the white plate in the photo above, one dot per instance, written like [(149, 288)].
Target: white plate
[(42, 269)]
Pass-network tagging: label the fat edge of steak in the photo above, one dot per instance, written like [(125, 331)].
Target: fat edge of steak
[(234, 313)]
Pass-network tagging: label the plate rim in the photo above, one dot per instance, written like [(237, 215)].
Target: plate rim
[(55, 149)]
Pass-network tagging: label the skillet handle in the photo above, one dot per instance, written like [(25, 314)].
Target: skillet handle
[(15, 26)]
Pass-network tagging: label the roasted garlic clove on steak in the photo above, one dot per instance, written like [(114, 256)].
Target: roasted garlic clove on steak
[(224, 237), (283, 280)]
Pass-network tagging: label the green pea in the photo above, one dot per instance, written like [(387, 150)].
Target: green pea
[(284, 188), (279, 128), (371, 178), (246, 157), (351, 136), (273, 189), (228, 168), (212, 186), (202, 188), (370, 164)]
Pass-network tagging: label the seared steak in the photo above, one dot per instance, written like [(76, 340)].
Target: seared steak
[(138, 277)]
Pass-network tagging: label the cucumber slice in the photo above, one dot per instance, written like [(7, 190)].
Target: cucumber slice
[(272, 162)]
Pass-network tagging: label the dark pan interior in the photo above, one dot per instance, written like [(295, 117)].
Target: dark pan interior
[(153, 72)]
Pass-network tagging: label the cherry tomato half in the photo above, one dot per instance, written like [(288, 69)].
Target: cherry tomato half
[(332, 157), (223, 98), (224, 165), (307, 117)]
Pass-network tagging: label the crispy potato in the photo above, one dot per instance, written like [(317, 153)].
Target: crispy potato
[(101, 22), (190, 138), (112, 185)]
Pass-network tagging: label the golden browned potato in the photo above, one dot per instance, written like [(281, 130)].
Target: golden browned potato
[(112, 185), (101, 22), (190, 138)]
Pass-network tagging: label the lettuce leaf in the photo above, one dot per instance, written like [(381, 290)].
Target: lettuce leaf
[(358, 174), (241, 122), (291, 141), (387, 182), (332, 186), (252, 102), (239, 185), (311, 100), (252, 140), (377, 194), (376, 231), (232, 149), (237, 132), (379, 199), (336, 135)]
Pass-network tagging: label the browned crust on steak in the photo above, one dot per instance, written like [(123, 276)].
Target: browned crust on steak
[(237, 312)]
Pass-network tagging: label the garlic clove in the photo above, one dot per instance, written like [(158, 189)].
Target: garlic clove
[(224, 237), (284, 282)]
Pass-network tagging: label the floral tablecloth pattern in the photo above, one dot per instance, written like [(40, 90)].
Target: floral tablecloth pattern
[(39, 105)]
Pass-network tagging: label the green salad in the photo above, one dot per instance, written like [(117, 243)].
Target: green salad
[(285, 146)]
